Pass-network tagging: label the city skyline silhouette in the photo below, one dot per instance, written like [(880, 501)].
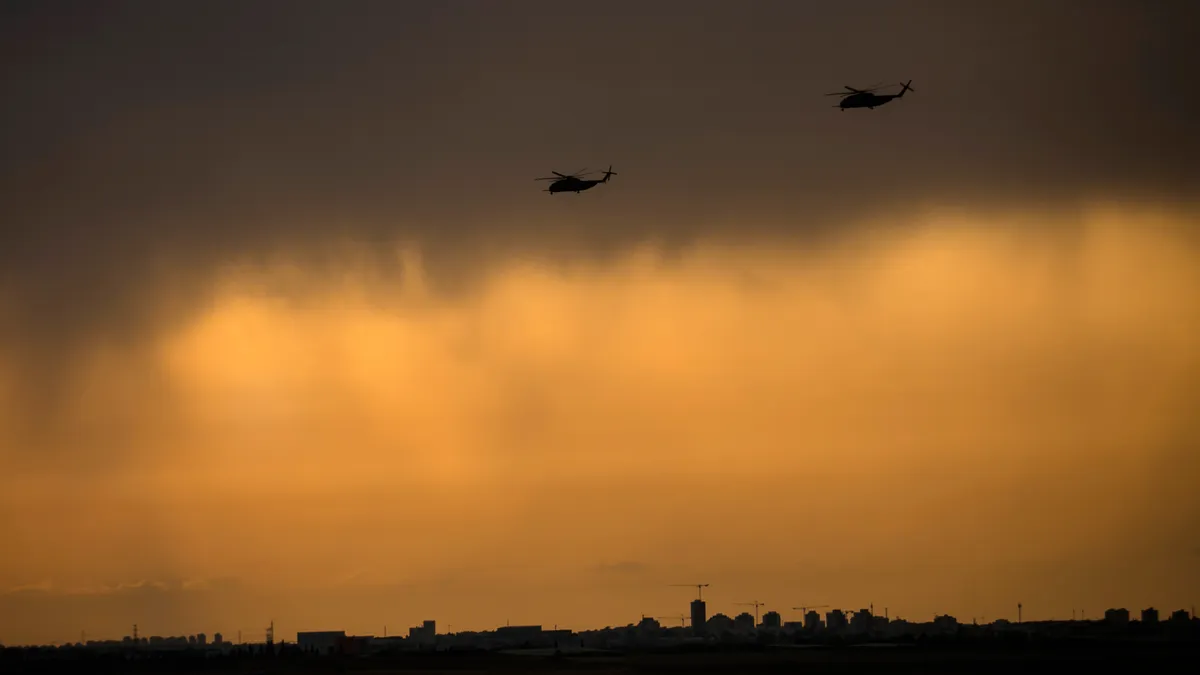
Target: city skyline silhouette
[(289, 330)]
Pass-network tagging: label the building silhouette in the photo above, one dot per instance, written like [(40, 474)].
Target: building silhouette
[(861, 621), (320, 642), (519, 635), (812, 620), (719, 624), (425, 634), (1116, 617), (649, 623), (699, 617), (835, 619), (945, 624)]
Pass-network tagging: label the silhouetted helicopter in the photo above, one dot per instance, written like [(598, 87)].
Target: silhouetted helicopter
[(866, 98), (574, 182)]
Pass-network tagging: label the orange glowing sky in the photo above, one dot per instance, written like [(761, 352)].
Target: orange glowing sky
[(289, 332), (952, 416)]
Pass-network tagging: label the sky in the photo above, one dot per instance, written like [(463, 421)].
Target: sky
[(289, 332)]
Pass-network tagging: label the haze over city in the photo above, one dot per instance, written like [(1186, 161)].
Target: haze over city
[(288, 331)]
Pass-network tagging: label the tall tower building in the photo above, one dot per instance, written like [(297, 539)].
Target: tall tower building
[(699, 617)]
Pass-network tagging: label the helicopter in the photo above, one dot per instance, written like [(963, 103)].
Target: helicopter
[(867, 98), (575, 182)]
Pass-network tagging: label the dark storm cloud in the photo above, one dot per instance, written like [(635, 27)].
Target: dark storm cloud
[(145, 143)]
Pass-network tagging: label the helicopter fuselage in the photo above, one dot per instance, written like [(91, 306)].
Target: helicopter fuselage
[(865, 100), (869, 99), (572, 185)]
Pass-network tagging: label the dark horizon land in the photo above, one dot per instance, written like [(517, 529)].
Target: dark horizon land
[(1112, 641), (290, 331)]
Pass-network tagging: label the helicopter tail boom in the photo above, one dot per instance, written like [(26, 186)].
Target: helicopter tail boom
[(905, 88), (608, 174)]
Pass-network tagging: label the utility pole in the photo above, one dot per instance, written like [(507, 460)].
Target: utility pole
[(1018, 612)]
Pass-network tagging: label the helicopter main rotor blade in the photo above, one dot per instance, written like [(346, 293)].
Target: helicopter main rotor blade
[(864, 91)]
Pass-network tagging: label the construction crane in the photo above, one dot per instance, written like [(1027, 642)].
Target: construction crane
[(805, 609), (699, 589), (683, 619), (756, 604)]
